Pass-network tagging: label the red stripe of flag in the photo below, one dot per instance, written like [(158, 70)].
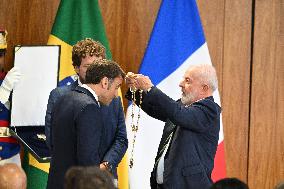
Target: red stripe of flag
[(219, 171)]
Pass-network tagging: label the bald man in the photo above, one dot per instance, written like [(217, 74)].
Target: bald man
[(12, 177)]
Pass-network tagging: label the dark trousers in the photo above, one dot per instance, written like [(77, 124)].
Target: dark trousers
[(160, 186)]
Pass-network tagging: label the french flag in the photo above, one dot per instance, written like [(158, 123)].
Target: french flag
[(177, 41)]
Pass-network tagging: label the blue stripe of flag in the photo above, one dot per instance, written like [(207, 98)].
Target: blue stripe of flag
[(177, 33)]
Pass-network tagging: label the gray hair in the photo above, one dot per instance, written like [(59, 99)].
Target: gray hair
[(280, 185), (207, 74)]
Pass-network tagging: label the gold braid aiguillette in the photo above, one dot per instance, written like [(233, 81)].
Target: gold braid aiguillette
[(133, 126)]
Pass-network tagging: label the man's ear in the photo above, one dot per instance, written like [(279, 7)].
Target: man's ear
[(76, 68), (104, 82), (205, 88)]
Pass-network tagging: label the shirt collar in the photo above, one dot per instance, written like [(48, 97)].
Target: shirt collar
[(91, 91), (79, 82), (197, 101)]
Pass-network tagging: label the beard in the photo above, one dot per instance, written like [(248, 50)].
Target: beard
[(189, 98)]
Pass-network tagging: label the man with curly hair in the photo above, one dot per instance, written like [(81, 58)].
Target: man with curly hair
[(84, 53)]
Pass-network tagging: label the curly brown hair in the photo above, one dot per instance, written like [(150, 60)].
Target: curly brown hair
[(87, 47)]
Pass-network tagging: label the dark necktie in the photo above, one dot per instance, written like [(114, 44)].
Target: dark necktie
[(166, 137)]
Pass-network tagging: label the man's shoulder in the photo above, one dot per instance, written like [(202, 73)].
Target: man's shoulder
[(209, 100), (81, 96), (60, 91), (209, 103), (65, 88), (116, 100)]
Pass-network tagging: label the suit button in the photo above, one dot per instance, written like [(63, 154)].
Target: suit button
[(1, 148), (1, 109)]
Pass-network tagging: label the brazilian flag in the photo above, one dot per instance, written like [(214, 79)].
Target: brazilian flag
[(75, 20)]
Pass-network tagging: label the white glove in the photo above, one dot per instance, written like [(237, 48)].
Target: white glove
[(8, 84)]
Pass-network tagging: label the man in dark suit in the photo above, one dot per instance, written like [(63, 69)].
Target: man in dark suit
[(185, 157), (80, 137), (84, 53)]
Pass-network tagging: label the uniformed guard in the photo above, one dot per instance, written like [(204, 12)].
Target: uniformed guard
[(9, 146)]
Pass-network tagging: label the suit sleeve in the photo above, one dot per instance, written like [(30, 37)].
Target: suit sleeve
[(89, 131), (120, 144), (197, 117), (151, 107), (53, 97)]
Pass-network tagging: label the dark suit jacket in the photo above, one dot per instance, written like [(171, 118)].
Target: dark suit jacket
[(113, 118), (79, 135), (55, 95), (190, 157)]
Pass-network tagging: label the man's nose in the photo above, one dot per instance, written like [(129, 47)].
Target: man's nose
[(181, 84)]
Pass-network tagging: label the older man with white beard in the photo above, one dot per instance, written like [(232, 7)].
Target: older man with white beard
[(185, 157)]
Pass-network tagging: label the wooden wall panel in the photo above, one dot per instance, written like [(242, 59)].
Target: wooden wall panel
[(236, 85), (234, 18), (27, 22), (266, 152)]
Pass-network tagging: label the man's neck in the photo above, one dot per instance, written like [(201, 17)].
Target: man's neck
[(96, 88), (93, 89), (201, 97)]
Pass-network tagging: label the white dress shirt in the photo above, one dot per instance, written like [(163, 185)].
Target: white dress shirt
[(91, 91)]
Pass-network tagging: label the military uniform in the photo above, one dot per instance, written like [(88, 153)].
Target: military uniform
[(9, 147)]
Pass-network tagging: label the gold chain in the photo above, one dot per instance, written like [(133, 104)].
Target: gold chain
[(133, 126)]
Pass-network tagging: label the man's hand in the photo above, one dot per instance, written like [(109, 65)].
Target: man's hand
[(138, 81), (8, 84), (105, 166), (130, 80), (143, 82)]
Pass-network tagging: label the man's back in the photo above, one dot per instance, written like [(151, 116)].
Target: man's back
[(76, 134), (54, 96), (113, 118)]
